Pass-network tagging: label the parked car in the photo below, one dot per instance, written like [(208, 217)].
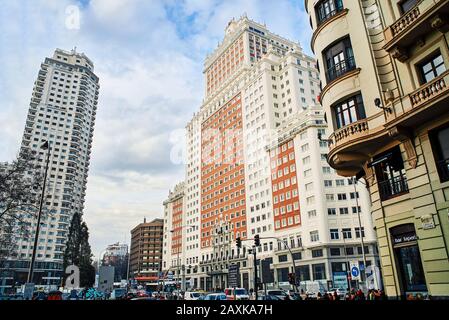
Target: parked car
[(268, 297), (118, 294), (281, 294), (216, 296), (191, 295), (236, 294)]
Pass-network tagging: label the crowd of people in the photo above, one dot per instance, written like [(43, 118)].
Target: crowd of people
[(352, 295)]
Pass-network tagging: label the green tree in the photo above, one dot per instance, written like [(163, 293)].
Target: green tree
[(78, 251)]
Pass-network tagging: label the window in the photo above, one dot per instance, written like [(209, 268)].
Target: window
[(334, 251), (390, 174), (334, 234), (297, 256), (347, 234), (283, 258), (314, 236), (349, 111), (357, 232), (317, 253), (439, 139), (339, 59), (326, 9), (319, 271), (406, 5), (331, 211), (431, 68), (303, 272), (341, 196)]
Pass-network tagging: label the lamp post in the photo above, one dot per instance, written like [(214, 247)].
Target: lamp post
[(45, 146), (354, 181)]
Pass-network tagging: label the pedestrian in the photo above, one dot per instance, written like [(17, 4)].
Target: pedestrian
[(303, 295), (336, 296), (319, 296)]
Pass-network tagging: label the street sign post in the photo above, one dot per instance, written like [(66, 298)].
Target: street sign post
[(355, 270), (267, 274)]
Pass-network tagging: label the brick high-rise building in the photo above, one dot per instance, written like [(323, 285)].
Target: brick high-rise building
[(146, 251), (256, 84)]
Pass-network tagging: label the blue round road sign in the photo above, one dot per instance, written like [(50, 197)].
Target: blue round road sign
[(355, 271)]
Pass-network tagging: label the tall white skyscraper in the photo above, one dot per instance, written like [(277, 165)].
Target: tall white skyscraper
[(62, 111), (255, 166)]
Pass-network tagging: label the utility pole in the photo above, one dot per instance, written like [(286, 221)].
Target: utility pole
[(46, 146), (362, 231), (255, 271)]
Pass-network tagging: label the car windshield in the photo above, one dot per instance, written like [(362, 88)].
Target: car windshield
[(240, 291), (120, 291), (195, 294)]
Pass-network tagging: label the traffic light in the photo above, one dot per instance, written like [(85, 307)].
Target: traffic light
[(238, 242), (257, 240), (291, 278)]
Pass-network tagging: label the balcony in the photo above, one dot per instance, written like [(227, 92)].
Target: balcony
[(431, 90), (394, 187), (350, 145), (424, 104), (340, 69), (415, 24)]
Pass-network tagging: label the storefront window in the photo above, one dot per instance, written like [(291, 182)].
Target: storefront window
[(319, 271), (303, 273), (408, 258)]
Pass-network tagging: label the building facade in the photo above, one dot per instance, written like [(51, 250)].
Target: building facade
[(256, 85), (384, 88), (174, 234), (146, 251), (116, 255), (324, 218), (62, 111)]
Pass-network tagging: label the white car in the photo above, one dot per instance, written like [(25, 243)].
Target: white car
[(192, 295)]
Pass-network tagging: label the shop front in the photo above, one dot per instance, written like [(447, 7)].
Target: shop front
[(408, 260)]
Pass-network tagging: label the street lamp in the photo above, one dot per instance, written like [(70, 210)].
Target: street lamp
[(45, 146), (354, 181)]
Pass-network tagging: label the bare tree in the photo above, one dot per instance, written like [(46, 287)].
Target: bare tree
[(20, 188)]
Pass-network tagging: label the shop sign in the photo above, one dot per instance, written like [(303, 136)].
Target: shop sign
[(403, 238)]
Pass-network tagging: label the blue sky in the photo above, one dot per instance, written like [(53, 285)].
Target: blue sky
[(149, 56)]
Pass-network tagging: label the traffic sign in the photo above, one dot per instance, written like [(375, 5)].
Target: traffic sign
[(170, 275), (234, 276), (355, 270)]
